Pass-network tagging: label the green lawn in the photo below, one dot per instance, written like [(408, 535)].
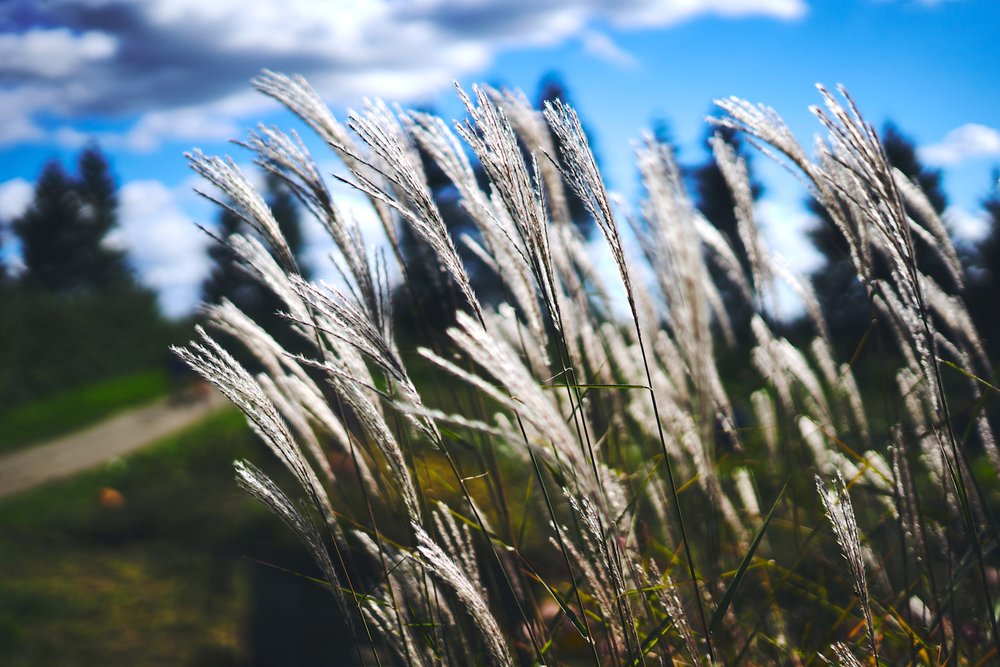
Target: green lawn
[(172, 576), (70, 410)]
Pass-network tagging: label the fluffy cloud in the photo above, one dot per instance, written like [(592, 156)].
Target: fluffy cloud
[(163, 242), (53, 54), (963, 143), (15, 196), (967, 226), (125, 59)]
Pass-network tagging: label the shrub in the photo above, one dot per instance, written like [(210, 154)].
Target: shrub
[(559, 483)]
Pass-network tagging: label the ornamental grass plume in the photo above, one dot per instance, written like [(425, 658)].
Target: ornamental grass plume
[(562, 479)]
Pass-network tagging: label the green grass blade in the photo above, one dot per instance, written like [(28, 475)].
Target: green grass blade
[(727, 599)]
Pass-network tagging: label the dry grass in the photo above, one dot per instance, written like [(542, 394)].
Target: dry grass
[(595, 489)]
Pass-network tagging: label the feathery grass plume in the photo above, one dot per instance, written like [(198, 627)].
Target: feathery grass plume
[(400, 165), (932, 230), (763, 408), (287, 157), (837, 503), (492, 139), (503, 246), (295, 93), (734, 170), (221, 369), (260, 486), (295, 416), (666, 593), (844, 656), (550, 389), (618, 614), (457, 542), (243, 200), (266, 270), (451, 575)]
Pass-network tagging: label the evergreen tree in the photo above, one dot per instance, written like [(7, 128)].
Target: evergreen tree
[(49, 232), (984, 278), (98, 195), (63, 231)]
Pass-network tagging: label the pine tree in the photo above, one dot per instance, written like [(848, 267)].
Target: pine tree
[(984, 278), (49, 232), (98, 217), (64, 230)]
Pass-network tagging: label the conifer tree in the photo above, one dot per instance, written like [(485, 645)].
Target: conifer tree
[(984, 278), (63, 233)]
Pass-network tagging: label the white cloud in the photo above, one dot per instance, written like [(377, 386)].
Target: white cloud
[(968, 226), (53, 53), (785, 226), (182, 66), (187, 124), (600, 45), (15, 196), (963, 143), (163, 242), (668, 12)]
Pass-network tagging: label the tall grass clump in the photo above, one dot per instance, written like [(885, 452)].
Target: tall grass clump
[(554, 482)]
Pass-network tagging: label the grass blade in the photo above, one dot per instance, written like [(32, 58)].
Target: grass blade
[(727, 599)]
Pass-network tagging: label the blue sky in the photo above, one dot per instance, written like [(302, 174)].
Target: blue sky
[(149, 80)]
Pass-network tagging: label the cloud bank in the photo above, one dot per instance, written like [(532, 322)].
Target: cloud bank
[(178, 69)]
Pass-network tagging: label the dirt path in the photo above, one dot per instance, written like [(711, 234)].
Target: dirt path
[(97, 444)]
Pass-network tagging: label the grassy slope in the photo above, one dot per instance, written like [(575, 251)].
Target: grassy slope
[(160, 580), (74, 409)]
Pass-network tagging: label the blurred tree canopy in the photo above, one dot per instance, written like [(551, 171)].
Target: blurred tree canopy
[(76, 313), (64, 231)]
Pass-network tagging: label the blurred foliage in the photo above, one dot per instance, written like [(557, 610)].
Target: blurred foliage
[(75, 314), (50, 343), (158, 559)]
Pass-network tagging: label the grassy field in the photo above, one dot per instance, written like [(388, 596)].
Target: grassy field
[(77, 408), (153, 560)]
